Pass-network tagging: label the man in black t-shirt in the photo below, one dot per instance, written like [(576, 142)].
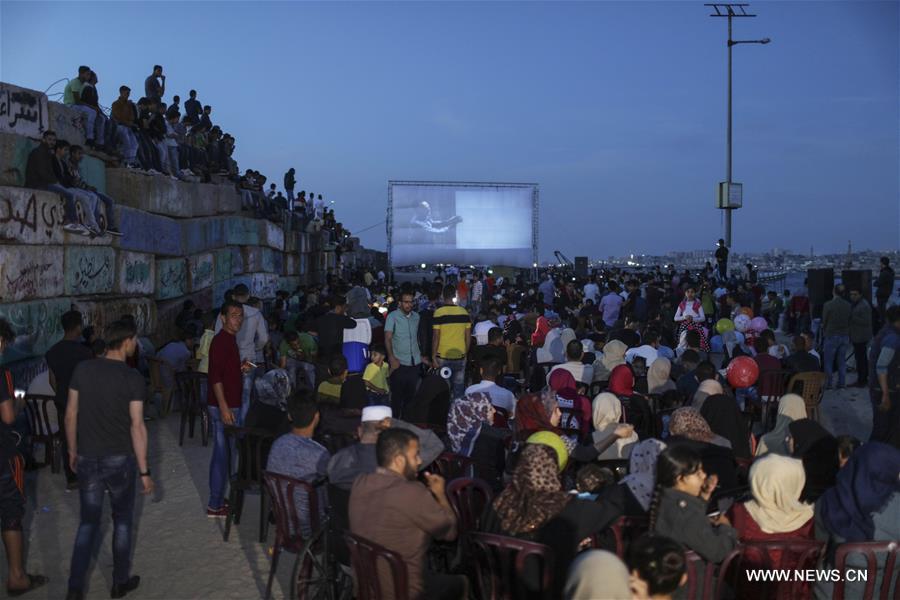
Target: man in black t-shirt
[(722, 259), (12, 470), (107, 443), (62, 359), (330, 329)]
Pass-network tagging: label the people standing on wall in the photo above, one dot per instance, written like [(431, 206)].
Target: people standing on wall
[(289, 183), (155, 85), (722, 259), (192, 107)]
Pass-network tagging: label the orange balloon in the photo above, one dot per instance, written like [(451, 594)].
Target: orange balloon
[(747, 311)]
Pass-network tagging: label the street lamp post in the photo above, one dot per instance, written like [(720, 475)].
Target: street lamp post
[(730, 11)]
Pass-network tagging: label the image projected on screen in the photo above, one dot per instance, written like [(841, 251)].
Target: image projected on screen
[(462, 223)]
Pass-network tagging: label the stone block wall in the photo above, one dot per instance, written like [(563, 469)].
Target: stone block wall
[(180, 241)]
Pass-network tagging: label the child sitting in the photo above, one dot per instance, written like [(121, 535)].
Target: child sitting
[(376, 377), (330, 389)]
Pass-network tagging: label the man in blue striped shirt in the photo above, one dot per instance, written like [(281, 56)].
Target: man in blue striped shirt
[(404, 356)]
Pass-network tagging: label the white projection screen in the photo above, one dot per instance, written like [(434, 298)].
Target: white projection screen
[(462, 223)]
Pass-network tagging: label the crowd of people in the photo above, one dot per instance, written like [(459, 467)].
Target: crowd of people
[(156, 137), (577, 402)]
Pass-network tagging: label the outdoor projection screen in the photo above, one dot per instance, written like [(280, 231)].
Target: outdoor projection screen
[(462, 223)]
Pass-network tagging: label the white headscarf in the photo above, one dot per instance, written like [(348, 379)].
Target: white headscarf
[(641, 478), (707, 387), (658, 376), (597, 574), (607, 412), (776, 482)]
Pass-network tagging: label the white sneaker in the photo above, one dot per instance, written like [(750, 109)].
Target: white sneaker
[(152, 172), (77, 228)]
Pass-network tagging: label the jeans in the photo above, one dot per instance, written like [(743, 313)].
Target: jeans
[(90, 116), (68, 197), (88, 203), (457, 380), (128, 142), (861, 355), (116, 475), (173, 159), (219, 469), (110, 204), (64, 454), (836, 346), (404, 383), (163, 153)]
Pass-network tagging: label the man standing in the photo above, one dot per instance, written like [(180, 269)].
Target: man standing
[(611, 304), (722, 259), (836, 316), (547, 290), (330, 328), (289, 183), (884, 380), (860, 334), (62, 359), (884, 285), (12, 483), (155, 85), (224, 399), (192, 107), (591, 290), (477, 293), (107, 443), (409, 515), (404, 356), (252, 337), (452, 336)]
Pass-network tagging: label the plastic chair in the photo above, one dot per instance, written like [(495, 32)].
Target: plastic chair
[(700, 574), (193, 404), (312, 556), (812, 388), (253, 447), (868, 550), (364, 557), (625, 529), (468, 497), (157, 385), (39, 424), (787, 554), (501, 564), (771, 387), (453, 466)]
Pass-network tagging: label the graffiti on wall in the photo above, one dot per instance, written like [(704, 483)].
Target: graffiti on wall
[(22, 111)]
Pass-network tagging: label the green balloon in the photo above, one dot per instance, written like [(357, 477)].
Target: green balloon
[(724, 325)]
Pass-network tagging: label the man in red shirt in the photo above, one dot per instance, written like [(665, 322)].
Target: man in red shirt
[(224, 400)]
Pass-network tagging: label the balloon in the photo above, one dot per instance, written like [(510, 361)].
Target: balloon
[(759, 324), (742, 372), (715, 344), (742, 322), (746, 310), (724, 325)]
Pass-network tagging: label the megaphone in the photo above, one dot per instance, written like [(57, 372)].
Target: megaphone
[(445, 372)]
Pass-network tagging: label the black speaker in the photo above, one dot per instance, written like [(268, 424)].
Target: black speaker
[(858, 279), (820, 283), (581, 266)]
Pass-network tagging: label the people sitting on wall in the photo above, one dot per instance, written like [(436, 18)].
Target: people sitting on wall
[(75, 155), (41, 172), (93, 127)]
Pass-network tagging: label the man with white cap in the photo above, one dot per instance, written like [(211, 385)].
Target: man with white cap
[(359, 458)]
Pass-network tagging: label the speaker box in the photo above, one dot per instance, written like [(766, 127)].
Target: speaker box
[(859, 279), (820, 283), (581, 266)]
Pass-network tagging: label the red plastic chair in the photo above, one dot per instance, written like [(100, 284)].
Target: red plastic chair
[(626, 529), (501, 564), (453, 466), (787, 554), (364, 557), (284, 492), (869, 551), (468, 497), (700, 576)]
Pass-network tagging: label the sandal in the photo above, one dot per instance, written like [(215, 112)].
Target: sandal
[(34, 582)]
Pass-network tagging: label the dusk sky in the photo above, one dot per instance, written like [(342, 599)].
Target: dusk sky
[(617, 109)]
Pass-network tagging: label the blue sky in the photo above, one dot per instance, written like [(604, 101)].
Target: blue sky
[(617, 109)]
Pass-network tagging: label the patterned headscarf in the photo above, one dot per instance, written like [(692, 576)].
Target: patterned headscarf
[(687, 422), (641, 478), (465, 418), (534, 495)]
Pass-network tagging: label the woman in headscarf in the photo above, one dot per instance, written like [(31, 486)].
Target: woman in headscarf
[(725, 419), (658, 381), (819, 452), (688, 427), (637, 409), (534, 507), (607, 413), (613, 356), (470, 427), (635, 491), (575, 408), (863, 505), (790, 408), (707, 388), (598, 574)]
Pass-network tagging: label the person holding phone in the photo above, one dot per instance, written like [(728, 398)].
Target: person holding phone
[(224, 387)]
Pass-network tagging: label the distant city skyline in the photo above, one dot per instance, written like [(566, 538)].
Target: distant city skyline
[(617, 109)]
